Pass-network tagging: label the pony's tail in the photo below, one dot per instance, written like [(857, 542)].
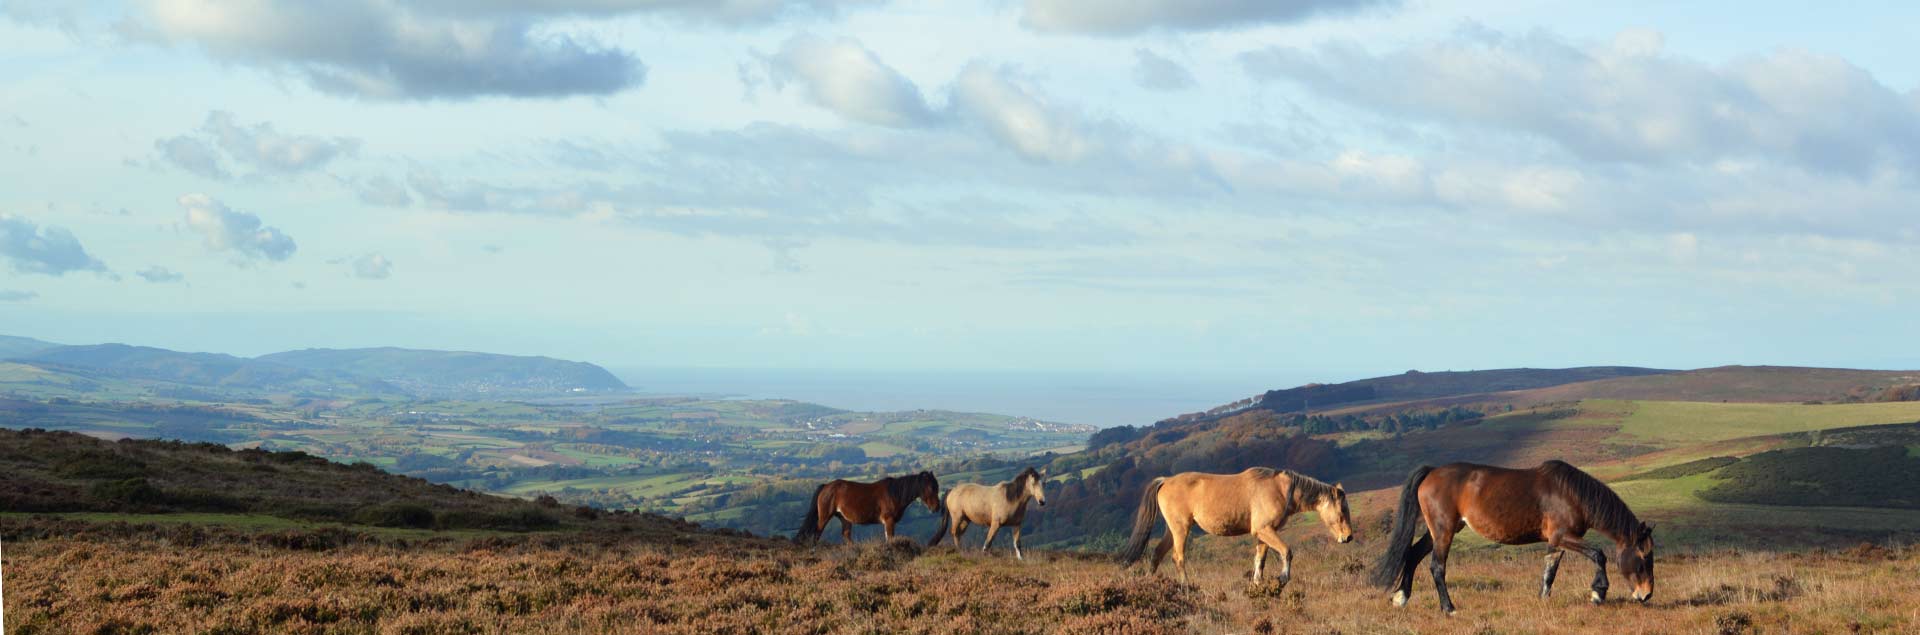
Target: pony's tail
[(946, 518), (810, 528), (1143, 523), (1406, 520)]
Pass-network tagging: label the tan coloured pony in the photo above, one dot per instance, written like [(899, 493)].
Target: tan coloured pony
[(995, 506), (1256, 501)]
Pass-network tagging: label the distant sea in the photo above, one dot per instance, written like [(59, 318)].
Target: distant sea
[(1100, 399)]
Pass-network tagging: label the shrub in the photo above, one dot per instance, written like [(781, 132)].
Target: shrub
[(133, 491), (396, 515), (1686, 469), (95, 466)]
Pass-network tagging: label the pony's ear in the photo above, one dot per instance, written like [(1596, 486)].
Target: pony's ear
[(1043, 471)]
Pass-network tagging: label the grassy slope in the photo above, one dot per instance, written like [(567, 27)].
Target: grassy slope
[(1614, 439), (1672, 422)]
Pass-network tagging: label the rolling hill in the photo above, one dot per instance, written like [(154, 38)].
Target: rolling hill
[(31, 369), (1630, 423), (440, 372), (13, 346)]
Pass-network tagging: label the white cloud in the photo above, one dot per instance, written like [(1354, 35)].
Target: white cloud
[(843, 76), (1627, 100), (158, 274), (389, 49), (372, 267), (1125, 17), (192, 155), (258, 146), (383, 191), (1016, 117), (1153, 71), (50, 250), (735, 13), (223, 229)]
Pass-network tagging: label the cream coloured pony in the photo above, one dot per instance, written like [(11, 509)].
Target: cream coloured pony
[(995, 506), (1256, 501)]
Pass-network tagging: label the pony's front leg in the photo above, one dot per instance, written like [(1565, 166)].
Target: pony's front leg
[(1271, 538), (1016, 544), (1259, 559), (992, 528), (886, 526), (1553, 568)]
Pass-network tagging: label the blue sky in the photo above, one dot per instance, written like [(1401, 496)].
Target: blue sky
[(1321, 187)]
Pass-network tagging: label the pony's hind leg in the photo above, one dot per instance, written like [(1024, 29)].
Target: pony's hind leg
[(846, 531), (1179, 536), (1553, 568), (1160, 552), (960, 525), (1415, 553), (1442, 543)]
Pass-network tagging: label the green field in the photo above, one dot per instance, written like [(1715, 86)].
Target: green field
[(1695, 422)]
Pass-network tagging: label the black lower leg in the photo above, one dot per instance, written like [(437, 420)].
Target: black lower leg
[(1415, 553), (1439, 571), (1599, 559)]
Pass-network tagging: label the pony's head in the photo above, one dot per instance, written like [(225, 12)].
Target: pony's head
[(928, 490), (1332, 510), (1636, 561), (1032, 483)]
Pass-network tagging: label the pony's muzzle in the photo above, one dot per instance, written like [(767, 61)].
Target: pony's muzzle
[(1347, 539), (1642, 598)]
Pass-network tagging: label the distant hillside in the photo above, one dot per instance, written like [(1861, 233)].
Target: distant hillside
[(1745, 383), (1418, 385), (42, 369), (159, 364), (1616, 420), (12, 346), (440, 372), (55, 472)]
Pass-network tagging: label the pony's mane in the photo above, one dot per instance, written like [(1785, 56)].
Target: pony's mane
[(1604, 508), (1307, 489), (906, 488), (1012, 489)]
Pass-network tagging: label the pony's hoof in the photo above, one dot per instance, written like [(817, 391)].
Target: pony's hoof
[(1596, 598), (1399, 598), (1450, 612)]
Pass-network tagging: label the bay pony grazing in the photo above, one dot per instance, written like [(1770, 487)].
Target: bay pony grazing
[(1256, 501), (1554, 503), (995, 506), (884, 501)]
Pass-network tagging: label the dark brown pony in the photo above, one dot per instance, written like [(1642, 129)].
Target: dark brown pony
[(1554, 503), (883, 501)]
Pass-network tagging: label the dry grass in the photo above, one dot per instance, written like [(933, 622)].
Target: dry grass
[(153, 585)]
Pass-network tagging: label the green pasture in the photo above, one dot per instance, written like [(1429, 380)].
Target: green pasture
[(1683, 422)]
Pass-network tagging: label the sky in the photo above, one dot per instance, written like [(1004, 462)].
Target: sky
[(1299, 188)]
